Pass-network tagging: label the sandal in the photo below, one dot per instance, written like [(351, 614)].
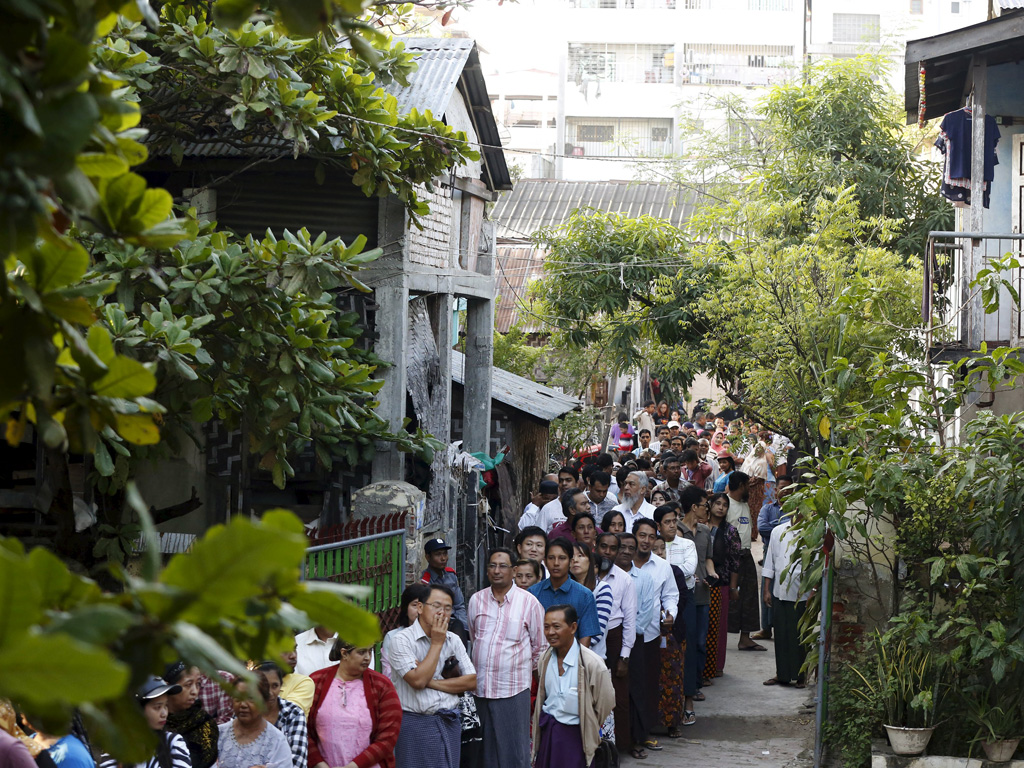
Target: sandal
[(800, 685), (637, 753), (706, 682), (689, 717), (675, 732), (754, 647), (653, 745), (698, 696), (720, 673)]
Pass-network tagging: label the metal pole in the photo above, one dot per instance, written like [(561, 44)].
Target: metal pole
[(821, 705), (352, 542)]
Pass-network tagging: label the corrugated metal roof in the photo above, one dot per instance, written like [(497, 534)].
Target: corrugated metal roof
[(1009, 4), (517, 265), (519, 393), (441, 63), (538, 203)]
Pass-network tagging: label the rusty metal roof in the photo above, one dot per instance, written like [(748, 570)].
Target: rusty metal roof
[(538, 203), (522, 394)]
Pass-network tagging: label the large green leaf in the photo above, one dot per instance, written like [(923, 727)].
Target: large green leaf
[(55, 265), (19, 597), (331, 609), (59, 589), (200, 649), (120, 729), (125, 378), (98, 624), (34, 666), (223, 566)]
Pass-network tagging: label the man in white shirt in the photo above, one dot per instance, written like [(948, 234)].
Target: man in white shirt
[(634, 505), (745, 613), (617, 642), (548, 491), (428, 692), (644, 418), (658, 603), (550, 515), (782, 571), (313, 650)]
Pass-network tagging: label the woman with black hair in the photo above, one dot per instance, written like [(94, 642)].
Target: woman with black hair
[(287, 717), (171, 749), (186, 716), (413, 598), (249, 740)]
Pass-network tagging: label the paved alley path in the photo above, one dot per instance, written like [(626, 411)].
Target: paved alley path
[(743, 724)]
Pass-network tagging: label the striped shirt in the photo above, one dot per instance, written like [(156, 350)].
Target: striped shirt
[(624, 608), (180, 757), (292, 723), (508, 639), (406, 649), (603, 600)]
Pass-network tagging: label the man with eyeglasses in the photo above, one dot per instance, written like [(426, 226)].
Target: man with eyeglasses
[(507, 627), (430, 668)]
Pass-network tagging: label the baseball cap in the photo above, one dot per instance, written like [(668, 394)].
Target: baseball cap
[(154, 688), (434, 545), (688, 425), (673, 424), (548, 486)]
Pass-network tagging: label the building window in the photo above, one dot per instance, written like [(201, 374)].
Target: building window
[(917, 7), (586, 133), (856, 28), (621, 63), (735, 64), (954, 7), (645, 5), (618, 137)]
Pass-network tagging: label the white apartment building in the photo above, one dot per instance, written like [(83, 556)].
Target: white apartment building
[(591, 89)]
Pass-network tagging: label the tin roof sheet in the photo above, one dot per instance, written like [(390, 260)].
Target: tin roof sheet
[(517, 392)]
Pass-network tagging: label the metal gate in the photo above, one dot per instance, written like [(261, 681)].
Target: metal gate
[(373, 559)]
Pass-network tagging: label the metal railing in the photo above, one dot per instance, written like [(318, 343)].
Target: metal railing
[(952, 309), (374, 560)]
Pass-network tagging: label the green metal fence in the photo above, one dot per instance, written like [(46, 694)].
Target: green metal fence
[(376, 561)]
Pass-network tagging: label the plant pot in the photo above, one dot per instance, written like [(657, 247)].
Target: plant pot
[(1000, 751), (908, 741)]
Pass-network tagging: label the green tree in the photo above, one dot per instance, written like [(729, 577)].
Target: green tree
[(121, 323), (804, 250)]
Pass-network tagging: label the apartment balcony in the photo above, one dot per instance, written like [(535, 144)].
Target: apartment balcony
[(734, 74), (953, 309)]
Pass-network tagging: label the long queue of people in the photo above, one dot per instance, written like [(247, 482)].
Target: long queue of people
[(606, 625)]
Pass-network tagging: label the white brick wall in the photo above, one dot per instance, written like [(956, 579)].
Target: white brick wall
[(431, 246)]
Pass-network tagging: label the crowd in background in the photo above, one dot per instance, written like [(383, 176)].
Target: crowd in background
[(602, 630)]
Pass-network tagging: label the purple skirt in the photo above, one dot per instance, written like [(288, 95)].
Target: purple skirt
[(561, 746)]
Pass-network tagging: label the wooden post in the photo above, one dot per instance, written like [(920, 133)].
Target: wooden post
[(976, 310)]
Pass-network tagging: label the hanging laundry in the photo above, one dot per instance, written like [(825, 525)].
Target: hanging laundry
[(954, 142)]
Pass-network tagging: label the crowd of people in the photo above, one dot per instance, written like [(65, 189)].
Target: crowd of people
[(605, 626)]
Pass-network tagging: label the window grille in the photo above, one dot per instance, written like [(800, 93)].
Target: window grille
[(622, 63), (856, 28)]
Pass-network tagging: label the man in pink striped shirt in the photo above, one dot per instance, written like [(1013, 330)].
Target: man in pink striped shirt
[(507, 627)]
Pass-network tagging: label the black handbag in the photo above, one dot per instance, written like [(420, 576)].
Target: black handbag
[(606, 756)]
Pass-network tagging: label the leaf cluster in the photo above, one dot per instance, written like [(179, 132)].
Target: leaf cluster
[(66, 645)]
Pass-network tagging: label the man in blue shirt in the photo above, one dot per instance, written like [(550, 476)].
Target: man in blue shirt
[(559, 589), (768, 519)]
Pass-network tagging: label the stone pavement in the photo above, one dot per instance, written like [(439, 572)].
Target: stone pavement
[(743, 724)]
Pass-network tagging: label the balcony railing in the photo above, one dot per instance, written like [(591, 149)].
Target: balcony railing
[(953, 309)]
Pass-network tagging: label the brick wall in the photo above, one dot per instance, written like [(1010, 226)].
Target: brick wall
[(431, 245)]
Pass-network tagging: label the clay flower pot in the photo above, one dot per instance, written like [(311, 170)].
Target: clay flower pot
[(908, 741), (1000, 751)]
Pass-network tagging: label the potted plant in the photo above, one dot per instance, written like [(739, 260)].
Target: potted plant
[(904, 684), (998, 717)]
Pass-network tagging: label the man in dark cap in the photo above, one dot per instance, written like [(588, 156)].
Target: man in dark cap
[(438, 572), (547, 492)]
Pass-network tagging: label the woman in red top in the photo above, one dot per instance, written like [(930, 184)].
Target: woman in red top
[(355, 716)]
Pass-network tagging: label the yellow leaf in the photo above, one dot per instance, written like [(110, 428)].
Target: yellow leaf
[(137, 428), (15, 430), (824, 427)]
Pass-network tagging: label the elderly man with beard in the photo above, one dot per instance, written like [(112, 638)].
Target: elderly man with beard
[(620, 634), (634, 504)]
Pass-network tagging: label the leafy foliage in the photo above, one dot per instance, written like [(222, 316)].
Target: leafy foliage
[(802, 253), (64, 643)]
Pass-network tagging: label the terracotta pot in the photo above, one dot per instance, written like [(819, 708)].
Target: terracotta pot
[(1000, 751), (908, 741)]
